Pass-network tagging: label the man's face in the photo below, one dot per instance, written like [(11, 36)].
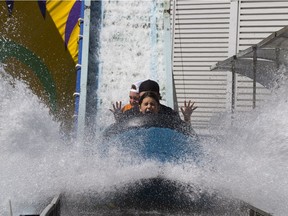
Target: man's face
[(133, 98)]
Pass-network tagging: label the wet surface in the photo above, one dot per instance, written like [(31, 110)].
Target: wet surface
[(155, 196)]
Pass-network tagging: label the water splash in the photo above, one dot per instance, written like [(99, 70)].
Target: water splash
[(250, 157), (248, 160), (126, 50)]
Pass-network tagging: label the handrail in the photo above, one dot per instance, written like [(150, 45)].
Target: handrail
[(53, 209), (253, 211)]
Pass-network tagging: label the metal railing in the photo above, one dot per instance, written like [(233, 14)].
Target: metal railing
[(253, 211), (53, 209)]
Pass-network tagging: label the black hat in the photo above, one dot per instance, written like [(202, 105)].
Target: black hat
[(149, 85)]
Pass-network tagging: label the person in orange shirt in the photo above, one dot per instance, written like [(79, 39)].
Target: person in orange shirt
[(133, 100), (133, 97)]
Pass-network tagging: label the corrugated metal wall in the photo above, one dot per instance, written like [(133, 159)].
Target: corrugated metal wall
[(208, 31), (201, 36), (257, 20)]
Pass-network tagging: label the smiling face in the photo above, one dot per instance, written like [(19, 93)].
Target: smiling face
[(149, 105), (133, 98)]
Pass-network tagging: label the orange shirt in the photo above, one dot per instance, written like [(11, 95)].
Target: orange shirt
[(126, 107)]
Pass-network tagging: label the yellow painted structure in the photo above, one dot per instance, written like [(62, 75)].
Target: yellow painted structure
[(39, 45)]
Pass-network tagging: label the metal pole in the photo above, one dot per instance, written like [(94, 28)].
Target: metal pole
[(233, 92), (277, 58), (84, 72), (10, 208), (153, 38), (168, 55), (254, 74)]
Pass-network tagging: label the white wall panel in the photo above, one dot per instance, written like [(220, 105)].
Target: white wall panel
[(201, 33), (257, 20), (208, 31)]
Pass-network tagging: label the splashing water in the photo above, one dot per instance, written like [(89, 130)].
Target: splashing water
[(28, 135), (131, 50), (37, 162), (249, 161), (251, 157)]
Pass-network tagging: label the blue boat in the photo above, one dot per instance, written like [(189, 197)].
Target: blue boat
[(155, 137), (160, 139)]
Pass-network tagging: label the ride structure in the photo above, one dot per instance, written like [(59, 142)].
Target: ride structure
[(50, 52), (43, 51)]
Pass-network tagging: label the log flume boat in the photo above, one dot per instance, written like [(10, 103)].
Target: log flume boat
[(162, 139)]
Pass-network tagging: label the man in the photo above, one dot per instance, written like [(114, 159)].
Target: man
[(133, 101), (133, 97)]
